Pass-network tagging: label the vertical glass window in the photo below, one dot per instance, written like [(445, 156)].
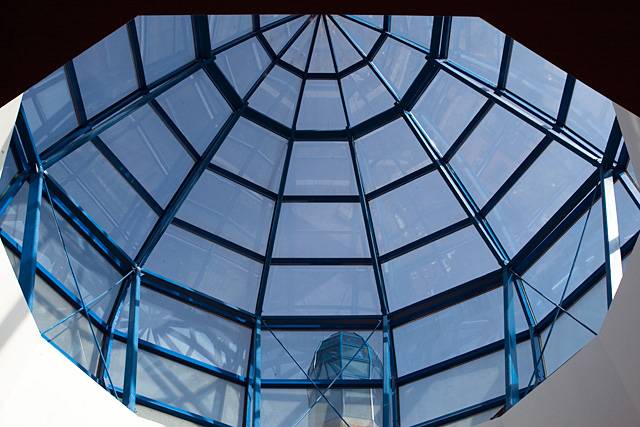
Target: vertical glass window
[(535, 79), (476, 46), (49, 110), (399, 64), (446, 108), (105, 72), (321, 168), (389, 153), (166, 43)]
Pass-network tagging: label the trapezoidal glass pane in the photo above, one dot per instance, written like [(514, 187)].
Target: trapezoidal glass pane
[(229, 210), (243, 64), (321, 168), (90, 180), (204, 266), (389, 153), (321, 230), (476, 46), (97, 279), (399, 64), (75, 339), (446, 108), (148, 149), (303, 345), (414, 210), (414, 28), (458, 329), (364, 95), (321, 59), (591, 115), (298, 53), (224, 28), (197, 108), (49, 110), (49, 307), (437, 267), (279, 36), (321, 106), (537, 195), (361, 35), (277, 95), (254, 153), (321, 291), (105, 72), (343, 51), (495, 148), (189, 331), (535, 79), (166, 44)]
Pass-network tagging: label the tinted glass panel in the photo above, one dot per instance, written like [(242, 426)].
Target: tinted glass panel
[(321, 230), (323, 168), (414, 210), (298, 52), (229, 210), (415, 28), (344, 52), (446, 108), (321, 290), (362, 36), (254, 153), (224, 28), (590, 115), (277, 95), (280, 35), (206, 267), (13, 218), (321, 106), (321, 59), (105, 72), (399, 63), (243, 64), (364, 95), (166, 43)]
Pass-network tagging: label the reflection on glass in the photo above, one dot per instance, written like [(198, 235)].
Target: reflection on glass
[(415, 28), (243, 64), (321, 107), (364, 95), (591, 115), (277, 95), (400, 64), (224, 28)]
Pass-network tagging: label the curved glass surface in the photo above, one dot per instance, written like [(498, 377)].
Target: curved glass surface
[(316, 204)]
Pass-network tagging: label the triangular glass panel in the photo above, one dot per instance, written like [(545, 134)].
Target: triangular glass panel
[(321, 60), (344, 52), (280, 35), (298, 53), (362, 36)]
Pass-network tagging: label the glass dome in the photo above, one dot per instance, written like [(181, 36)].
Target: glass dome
[(202, 210)]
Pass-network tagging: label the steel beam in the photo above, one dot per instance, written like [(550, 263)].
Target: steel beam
[(131, 362)]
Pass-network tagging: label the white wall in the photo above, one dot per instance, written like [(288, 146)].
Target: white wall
[(40, 386)]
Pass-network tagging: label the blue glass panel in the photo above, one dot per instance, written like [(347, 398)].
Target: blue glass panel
[(387, 154), (476, 46), (277, 95), (280, 35), (199, 264), (437, 267), (254, 153), (535, 79), (76, 341), (298, 52), (13, 218), (321, 60), (537, 195), (415, 28), (197, 108), (229, 210), (8, 171), (321, 290), (399, 64), (95, 275), (344, 52), (495, 148), (364, 95), (376, 20), (323, 168), (105, 72), (321, 230), (91, 181), (321, 106), (457, 329), (628, 213), (224, 28), (415, 210), (590, 115), (166, 43), (268, 19), (446, 108), (150, 152), (190, 331), (243, 64), (362, 36), (49, 110), (550, 272)]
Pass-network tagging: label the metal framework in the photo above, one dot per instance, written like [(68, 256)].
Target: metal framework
[(609, 168)]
